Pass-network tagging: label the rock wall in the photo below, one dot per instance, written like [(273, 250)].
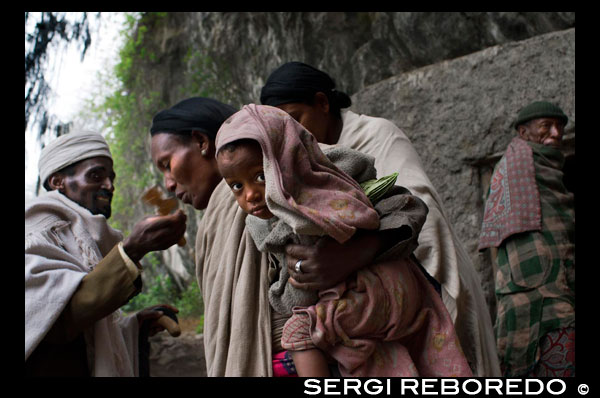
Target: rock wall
[(356, 48)]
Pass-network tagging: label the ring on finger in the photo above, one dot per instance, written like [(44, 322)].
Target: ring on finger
[(297, 267)]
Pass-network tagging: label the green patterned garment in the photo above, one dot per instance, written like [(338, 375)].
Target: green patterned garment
[(535, 282)]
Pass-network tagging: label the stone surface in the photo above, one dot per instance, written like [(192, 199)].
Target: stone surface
[(181, 356), (356, 48)]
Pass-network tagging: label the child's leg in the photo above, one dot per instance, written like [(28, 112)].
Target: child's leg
[(310, 363)]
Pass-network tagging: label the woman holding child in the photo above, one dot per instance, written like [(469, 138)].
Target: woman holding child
[(242, 332), (385, 320)]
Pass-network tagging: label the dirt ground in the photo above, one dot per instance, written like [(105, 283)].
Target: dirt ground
[(189, 324), (181, 356)]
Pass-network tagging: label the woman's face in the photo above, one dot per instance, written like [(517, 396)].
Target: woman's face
[(315, 118), (188, 173), (308, 116)]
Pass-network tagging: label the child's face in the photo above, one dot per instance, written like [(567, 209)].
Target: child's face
[(242, 169)]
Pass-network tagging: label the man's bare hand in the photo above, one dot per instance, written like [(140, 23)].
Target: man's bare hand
[(151, 315), (154, 233)]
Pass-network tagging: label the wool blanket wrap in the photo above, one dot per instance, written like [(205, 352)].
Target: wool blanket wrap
[(440, 250), (535, 281), (386, 304), (63, 243), (233, 277), (399, 210)]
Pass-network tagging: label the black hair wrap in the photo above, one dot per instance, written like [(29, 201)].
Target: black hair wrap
[(197, 113), (299, 82)]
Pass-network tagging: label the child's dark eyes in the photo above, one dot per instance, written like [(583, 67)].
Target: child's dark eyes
[(260, 177), (236, 186)]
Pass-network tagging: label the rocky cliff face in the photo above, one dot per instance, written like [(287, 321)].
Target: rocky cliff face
[(451, 81), (357, 49)]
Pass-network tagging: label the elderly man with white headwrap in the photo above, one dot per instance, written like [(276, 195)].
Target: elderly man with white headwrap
[(79, 271)]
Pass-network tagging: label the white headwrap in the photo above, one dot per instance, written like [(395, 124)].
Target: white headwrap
[(71, 148)]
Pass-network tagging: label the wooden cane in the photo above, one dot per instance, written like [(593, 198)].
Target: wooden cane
[(169, 324)]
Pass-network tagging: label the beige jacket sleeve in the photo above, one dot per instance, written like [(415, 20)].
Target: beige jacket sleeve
[(110, 285)]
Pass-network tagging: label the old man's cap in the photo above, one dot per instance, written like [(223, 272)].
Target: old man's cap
[(537, 110), (69, 149)]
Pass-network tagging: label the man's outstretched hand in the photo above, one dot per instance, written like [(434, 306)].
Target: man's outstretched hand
[(154, 233)]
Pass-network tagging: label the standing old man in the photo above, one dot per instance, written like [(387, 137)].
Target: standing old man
[(79, 271), (529, 216)]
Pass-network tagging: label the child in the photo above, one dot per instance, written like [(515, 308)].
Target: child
[(386, 320)]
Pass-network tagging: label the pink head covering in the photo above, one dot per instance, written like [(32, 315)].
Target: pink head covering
[(303, 187)]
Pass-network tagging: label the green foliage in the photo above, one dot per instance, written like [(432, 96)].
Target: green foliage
[(128, 111), (134, 100), (200, 327), (206, 77), (190, 302), (162, 290), (159, 292), (137, 92)]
